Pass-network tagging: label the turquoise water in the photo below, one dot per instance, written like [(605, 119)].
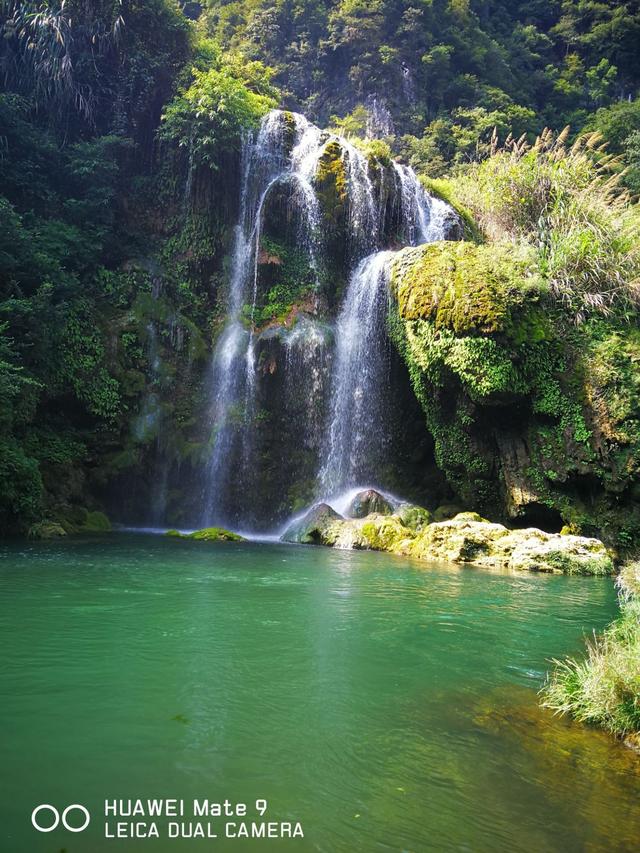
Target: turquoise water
[(385, 705)]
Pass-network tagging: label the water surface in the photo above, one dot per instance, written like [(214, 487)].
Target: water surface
[(386, 705)]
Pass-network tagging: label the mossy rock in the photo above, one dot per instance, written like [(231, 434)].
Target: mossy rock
[(331, 182), (470, 289), (386, 533), (367, 502), (468, 538), (96, 522), (313, 527), (46, 530), (215, 534), (446, 511), (414, 517)]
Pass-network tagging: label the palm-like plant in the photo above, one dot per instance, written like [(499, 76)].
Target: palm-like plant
[(53, 49)]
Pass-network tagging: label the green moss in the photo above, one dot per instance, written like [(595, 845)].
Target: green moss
[(478, 335), (331, 182), (286, 280), (215, 534), (446, 190), (96, 522), (46, 530), (413, 517), (467, 289), (385, 533)]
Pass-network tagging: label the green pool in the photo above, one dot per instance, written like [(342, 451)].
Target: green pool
[(383, 704)]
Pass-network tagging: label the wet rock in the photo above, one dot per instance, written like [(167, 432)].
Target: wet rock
[(375, 532), (469, 539), (367, 502), (207, 534), (452, 226), (414, 517), (445, 511), (313, 527)]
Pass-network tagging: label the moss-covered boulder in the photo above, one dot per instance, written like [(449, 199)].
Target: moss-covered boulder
[(331, 183), (313, 527), (207, 534), (367, 502), (46, 530), (533, 418), (414, 517), (468, 538), (215, 534), (374, 533), (96, 522), (446, 511)]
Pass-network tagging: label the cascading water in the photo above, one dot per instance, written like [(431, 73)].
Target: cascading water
[(285, 155), (356, 431), (286, 151), (357, 435)]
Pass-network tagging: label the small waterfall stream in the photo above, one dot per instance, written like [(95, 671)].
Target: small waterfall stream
[(357, 435), (286, 153), (265, 162), (356, 430)]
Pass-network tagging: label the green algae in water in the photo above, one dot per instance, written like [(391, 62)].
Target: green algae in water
[(384, 703)]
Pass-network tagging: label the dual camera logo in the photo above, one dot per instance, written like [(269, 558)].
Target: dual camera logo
[(46, 818)]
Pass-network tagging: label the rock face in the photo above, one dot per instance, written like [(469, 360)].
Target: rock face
[(533, 418), (313, 527), (368, 502), (467, 538)]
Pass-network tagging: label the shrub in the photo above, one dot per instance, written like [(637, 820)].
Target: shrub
[(567, 202), (604, 688), (213, 112)]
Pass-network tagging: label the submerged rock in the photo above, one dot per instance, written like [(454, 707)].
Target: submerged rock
[(208, 534), (313, 527), (367, 502)]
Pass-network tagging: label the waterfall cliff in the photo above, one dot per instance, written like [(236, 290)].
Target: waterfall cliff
[(301, 400)]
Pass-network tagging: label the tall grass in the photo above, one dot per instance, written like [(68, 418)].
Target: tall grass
[(568, 203), (604, 687)]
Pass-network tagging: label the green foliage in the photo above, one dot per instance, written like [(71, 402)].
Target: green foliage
[(449, 71), (96, 522), (99, 66), (604, 688), (291, 281), (565, 203), (20, 487), (211, 115)]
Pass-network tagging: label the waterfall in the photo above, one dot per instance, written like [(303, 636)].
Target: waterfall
[(286, 153), (356, 430), (357, 437), (266, 162)]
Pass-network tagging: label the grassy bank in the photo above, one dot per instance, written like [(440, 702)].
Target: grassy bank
[(604, 688)]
